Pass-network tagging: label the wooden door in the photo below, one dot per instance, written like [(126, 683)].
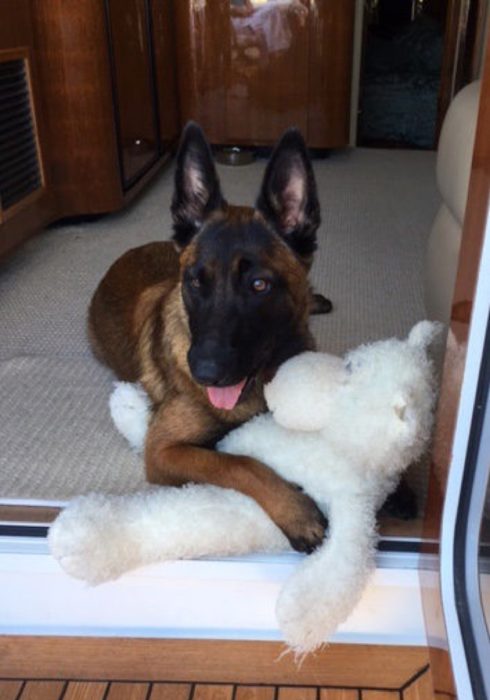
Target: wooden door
[(456, 360)]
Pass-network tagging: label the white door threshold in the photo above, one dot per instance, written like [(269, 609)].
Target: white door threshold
[(230, 598)]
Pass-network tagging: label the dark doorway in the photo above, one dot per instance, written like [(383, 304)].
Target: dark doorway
[(401, 72)]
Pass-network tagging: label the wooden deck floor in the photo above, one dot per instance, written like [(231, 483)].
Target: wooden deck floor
[(418, 688), (64, 668)]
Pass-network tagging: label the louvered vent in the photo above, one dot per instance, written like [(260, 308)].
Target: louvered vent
[(20, 173)]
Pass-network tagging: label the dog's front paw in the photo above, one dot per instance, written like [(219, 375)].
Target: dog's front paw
[(86, 543), (302, 521)]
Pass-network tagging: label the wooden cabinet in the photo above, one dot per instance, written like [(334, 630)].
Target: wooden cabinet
[(248, 69), (25, 197), (100, 76), (88, 107)]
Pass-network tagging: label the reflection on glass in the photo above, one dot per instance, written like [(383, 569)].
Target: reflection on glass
[(268, 73), (484, 559), (135, 105), (265, 26)]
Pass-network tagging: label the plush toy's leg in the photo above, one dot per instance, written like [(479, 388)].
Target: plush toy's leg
[(324, 589), (130, 409), (98, 537)]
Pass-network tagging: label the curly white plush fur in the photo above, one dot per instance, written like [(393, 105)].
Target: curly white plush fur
[(343, 429)]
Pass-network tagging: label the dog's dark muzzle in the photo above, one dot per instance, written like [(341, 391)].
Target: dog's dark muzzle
[(212, 363)]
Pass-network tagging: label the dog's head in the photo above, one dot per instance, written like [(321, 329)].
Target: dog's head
[(244, 269)]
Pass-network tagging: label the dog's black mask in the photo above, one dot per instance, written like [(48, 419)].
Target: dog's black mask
[(244, 270)]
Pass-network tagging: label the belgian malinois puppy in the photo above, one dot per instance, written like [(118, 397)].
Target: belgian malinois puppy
[(205, 320)]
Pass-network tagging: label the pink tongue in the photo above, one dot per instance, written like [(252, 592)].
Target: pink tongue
[(227, 396)]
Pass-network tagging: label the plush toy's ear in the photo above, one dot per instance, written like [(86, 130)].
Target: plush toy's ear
[(302, 394), (197, 190), (288, 198)]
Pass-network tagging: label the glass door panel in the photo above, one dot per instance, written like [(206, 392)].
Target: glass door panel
[(133, 85)]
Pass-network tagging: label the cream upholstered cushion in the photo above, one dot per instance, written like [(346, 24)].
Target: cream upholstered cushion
[(455, 151), (454, 157), (442, 259)]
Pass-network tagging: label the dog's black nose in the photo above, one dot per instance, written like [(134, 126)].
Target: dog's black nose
[(206, 371)]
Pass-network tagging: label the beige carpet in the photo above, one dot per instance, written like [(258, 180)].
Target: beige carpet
[(56, 438)]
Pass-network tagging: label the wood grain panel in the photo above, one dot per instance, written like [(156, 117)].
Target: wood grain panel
[(247, 662), (43, 690), (28, 514), (254, 693), (26, 222), (297, 694), (128, 691), (9, 690), (75, 75), (330, 69), (15, 25), (171, 691), (420, 689), (213, 692), (380, 695), (202, 29), (338, 694), (85, 691)]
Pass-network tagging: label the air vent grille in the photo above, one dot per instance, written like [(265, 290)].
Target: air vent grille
[(20, 173)]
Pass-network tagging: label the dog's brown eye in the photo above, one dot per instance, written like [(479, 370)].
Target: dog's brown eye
[(260, 285), (195, 282)]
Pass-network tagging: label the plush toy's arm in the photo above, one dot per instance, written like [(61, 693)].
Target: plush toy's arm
[(130, 408), (99, 537), (325, 588)]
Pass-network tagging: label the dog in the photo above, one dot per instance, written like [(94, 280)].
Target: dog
[(204, 321)]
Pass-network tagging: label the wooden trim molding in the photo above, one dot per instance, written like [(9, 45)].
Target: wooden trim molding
[(28, 514), (46, 514), (207, 661)]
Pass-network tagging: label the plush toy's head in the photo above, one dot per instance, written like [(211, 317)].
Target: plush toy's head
[(374, 407)]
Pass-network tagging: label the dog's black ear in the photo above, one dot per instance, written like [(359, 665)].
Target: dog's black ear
[(288, 197), (197, 189)]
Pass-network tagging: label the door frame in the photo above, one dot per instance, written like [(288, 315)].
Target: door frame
[(469, 314)]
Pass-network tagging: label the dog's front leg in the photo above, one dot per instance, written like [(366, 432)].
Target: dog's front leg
[(173, 457)]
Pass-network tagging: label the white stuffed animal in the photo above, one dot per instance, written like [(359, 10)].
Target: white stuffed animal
[(343, 429)]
